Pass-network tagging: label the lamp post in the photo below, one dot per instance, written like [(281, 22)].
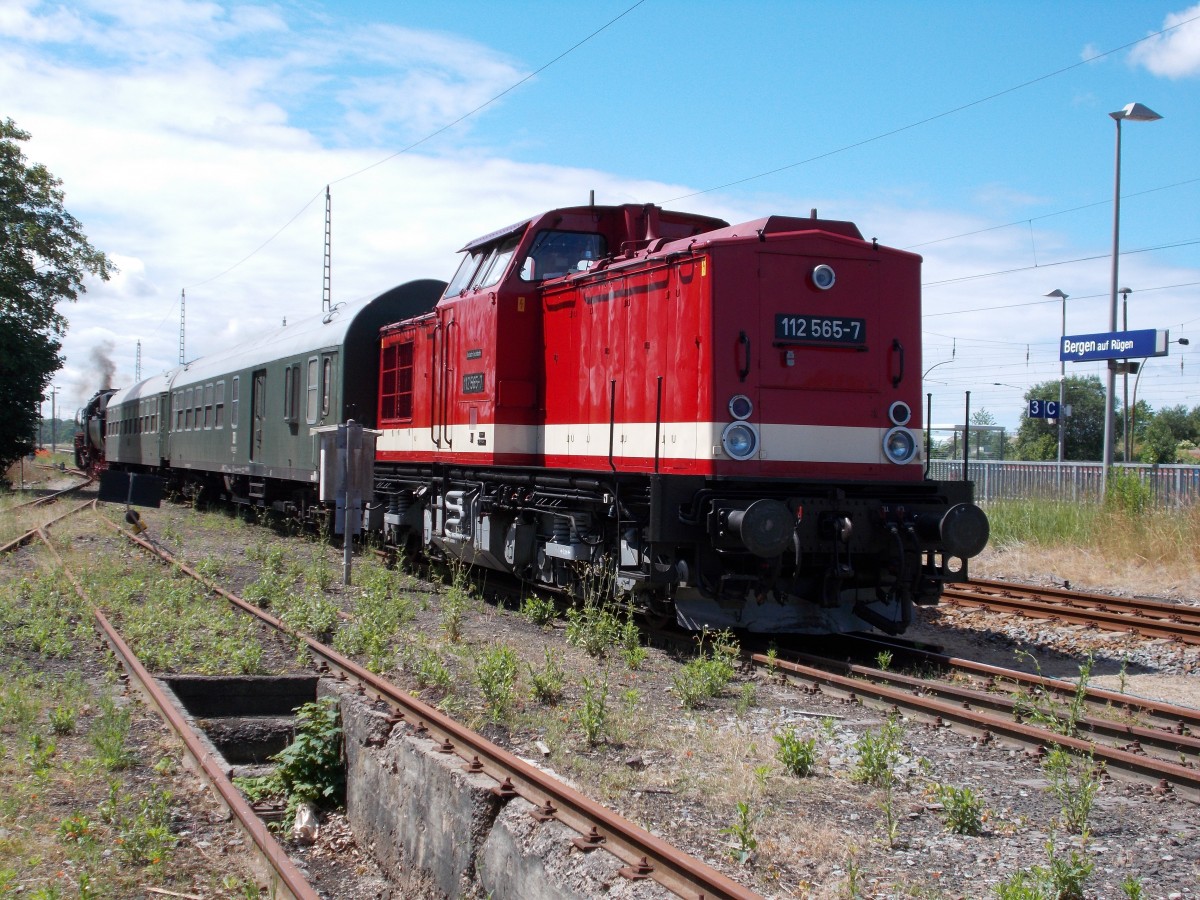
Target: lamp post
[(1134, 112), (53, 418), (1062, 376)]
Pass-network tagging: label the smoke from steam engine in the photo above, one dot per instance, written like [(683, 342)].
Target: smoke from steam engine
[(106, 369)]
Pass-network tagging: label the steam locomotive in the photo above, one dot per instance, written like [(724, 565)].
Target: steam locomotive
[(721, 420)]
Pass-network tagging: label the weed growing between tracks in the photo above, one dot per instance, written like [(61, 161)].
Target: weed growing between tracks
[(91, 800), (682, 771)]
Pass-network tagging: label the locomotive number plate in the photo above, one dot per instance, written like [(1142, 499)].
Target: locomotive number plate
[(820, 330)]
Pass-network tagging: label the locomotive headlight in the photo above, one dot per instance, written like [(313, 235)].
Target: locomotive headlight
[(823, 277), (899, 445), (740, 407), (740, 440), (900, 413)]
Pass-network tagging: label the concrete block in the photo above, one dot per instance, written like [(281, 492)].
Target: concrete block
[(527, 860), (415, 809)]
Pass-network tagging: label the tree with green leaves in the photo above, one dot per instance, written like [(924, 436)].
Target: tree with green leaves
[(1083, 438), (1167, 428), (44, 258)]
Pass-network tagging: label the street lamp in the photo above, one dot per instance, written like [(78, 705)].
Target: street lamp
[(1062, 375), (1134, 112)]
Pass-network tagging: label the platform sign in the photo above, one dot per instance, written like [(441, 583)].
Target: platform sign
[(1043, 409), (1113, 345)]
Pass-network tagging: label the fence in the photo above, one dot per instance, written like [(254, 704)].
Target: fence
[(1069, 482)]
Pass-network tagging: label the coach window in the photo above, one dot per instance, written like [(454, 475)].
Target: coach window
[(177, 399), (291, 393), (326, 384), (208, 405), (233, 402), (187, 410), (199, 405), (557, 253), (219, 408), (313, 389)]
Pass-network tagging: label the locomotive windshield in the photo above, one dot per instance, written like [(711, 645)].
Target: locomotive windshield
[(555, 253), (483, 266)]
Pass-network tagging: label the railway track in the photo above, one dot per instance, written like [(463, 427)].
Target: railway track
[(645, 855), (1122, 748), (34, 532), (1180, 720), (284, 878), (1150, 618), (47, 499)]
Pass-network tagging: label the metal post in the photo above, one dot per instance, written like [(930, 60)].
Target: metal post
[(966, 435), (1125, 377), (1137, 113), (53, 419), (1109, 375), (928, 433), (344, 496)]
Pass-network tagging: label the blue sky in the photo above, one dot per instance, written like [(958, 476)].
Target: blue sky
[(187, 134)]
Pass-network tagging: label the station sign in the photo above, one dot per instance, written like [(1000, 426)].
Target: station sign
[(1113, 345), (1043, 409)]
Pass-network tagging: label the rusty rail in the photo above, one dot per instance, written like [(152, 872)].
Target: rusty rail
[(34, 532), (285, 879), (1141, 617), (1180, 719), (646, 856), (50, 498), (1169, 743), (1185, 780)]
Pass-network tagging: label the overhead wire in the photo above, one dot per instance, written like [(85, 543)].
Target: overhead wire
[(426, 138), (945, 113)]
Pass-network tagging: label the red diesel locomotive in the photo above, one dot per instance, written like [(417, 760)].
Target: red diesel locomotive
[(724, 419)]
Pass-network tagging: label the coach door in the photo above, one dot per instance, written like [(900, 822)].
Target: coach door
[(258, 414)]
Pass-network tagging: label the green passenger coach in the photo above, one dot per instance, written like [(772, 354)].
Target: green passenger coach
[(241, 421)]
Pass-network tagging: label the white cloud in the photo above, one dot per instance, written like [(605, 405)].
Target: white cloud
[(1177, 53)]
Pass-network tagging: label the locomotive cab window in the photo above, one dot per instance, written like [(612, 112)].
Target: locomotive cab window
[(484, 266), (466, 273), (396, 382), (558, 253)]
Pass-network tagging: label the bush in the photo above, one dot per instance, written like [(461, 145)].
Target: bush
[(310, 768)]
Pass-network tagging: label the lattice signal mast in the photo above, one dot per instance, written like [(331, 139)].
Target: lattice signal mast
[(326, 292)]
